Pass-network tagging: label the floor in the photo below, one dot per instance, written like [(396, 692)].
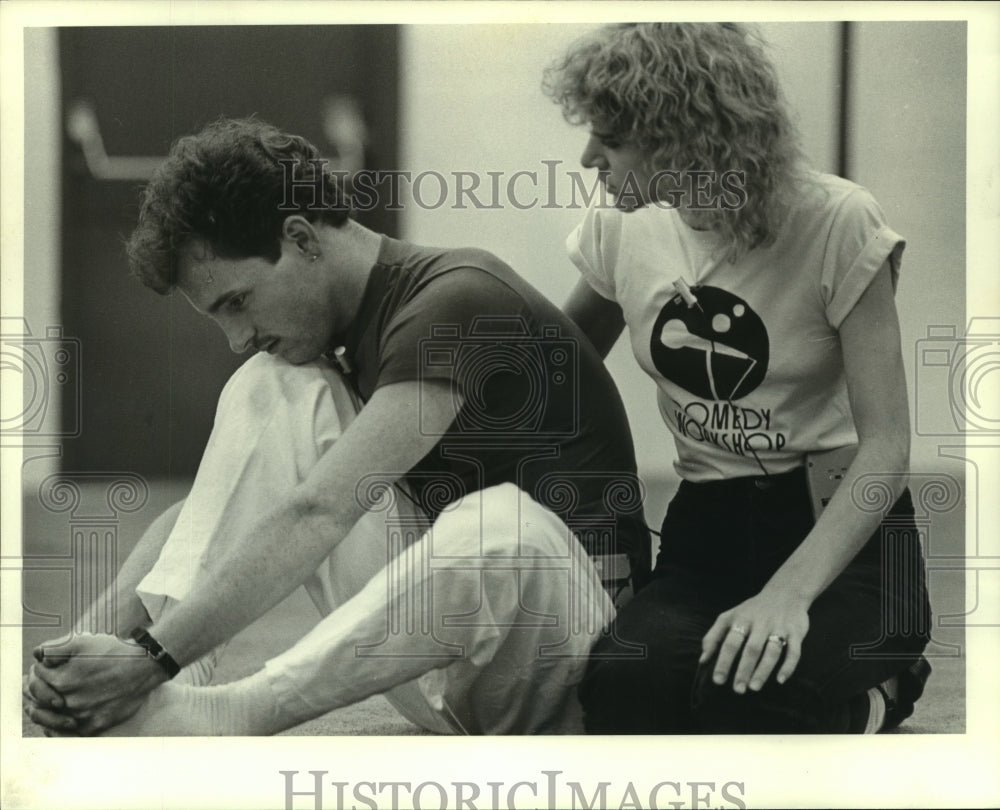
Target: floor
[(50, 522)]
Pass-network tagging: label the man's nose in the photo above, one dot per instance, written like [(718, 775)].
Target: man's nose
[(593, 155), (240, 337)]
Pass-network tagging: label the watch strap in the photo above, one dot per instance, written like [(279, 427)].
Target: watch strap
[(155, 651)]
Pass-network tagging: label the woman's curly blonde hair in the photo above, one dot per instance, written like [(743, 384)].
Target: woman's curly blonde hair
[(690, 96)]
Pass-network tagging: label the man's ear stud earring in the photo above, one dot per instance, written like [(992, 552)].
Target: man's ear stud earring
[(314, 257)]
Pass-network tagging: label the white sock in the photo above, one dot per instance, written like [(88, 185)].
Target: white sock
[(247, 707), (200, 672)]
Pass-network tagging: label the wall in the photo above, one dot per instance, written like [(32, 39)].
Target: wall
[(908, 147), (42, 224)]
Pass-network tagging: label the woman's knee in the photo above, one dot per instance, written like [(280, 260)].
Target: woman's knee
[(796, 706), (617, 697), (635, 690), (640, 673)]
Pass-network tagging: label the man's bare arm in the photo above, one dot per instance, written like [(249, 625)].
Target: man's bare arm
[(398, 427), (400, 424)]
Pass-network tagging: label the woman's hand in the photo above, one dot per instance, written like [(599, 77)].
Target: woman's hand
[(765, 628)]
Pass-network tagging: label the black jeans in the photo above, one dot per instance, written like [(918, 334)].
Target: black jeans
[(721, 542)]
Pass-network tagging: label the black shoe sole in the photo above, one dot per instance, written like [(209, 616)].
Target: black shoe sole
[(912, 681)]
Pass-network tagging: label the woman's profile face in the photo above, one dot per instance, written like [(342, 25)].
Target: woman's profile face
[(620, 167), (626, 172)]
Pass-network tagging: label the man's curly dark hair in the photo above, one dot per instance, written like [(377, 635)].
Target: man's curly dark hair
[(230, 188)]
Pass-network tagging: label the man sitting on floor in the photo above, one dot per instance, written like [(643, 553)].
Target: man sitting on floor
[(437, 495)]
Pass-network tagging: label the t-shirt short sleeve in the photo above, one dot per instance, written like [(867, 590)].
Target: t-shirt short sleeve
[(430, 335), (593, 247), (859, 243)]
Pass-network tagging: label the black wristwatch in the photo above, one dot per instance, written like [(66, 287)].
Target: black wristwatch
[(155, 651)]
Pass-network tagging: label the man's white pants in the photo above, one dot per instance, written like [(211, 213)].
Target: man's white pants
[(480, 624)]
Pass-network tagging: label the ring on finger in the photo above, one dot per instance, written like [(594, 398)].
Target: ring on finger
[(781, 640), (739, 628)]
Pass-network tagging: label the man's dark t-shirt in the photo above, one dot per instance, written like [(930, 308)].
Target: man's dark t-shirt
[(539, 408)]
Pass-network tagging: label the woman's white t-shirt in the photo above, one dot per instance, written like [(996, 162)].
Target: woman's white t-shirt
[(755, 367)]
